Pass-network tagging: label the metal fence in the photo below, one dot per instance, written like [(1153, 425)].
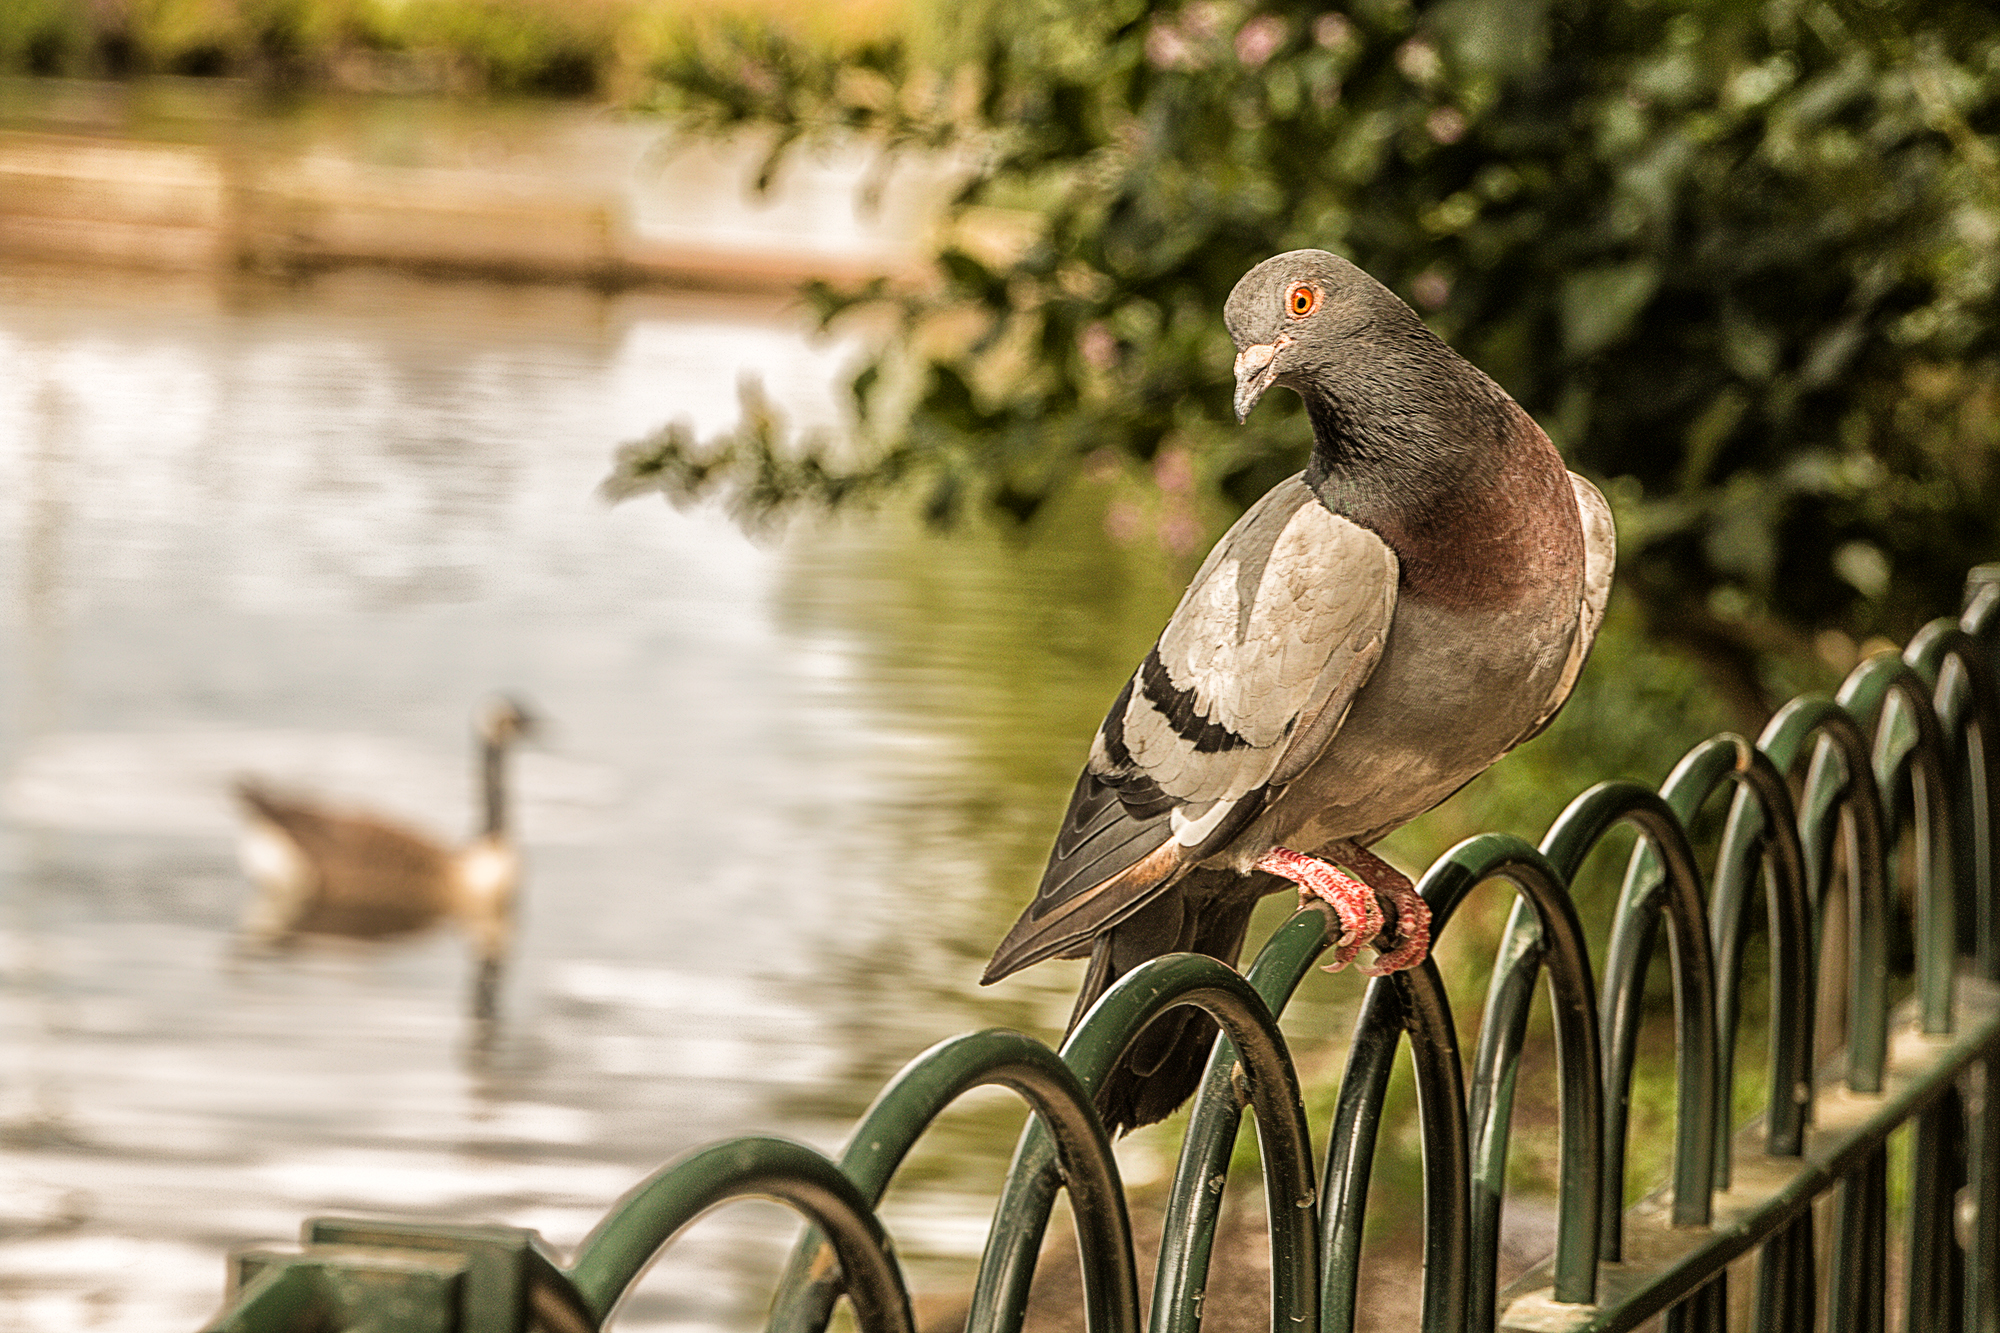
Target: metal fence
[(1866, 819)]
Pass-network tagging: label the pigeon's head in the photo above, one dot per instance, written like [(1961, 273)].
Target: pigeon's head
[(1290, 315)]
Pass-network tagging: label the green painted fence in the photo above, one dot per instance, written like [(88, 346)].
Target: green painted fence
[(1854, 815)]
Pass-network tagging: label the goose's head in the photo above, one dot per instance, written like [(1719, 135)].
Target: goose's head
[(506, 719)]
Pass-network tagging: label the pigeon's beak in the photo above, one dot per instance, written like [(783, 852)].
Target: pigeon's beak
[(1256, 367)]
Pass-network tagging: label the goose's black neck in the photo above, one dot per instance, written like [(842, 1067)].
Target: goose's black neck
[(493, 782)]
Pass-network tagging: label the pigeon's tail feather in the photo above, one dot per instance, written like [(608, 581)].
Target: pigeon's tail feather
[(1163, 1066), (1106, 864)]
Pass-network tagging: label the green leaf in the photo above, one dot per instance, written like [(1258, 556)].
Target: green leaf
[(1600, 305)]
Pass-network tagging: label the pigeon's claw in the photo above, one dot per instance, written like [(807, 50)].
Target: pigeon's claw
[(1353, 903), (1360, 905), (1411, 942)]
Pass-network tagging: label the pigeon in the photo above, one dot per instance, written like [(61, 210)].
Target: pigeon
[(1371, 635)]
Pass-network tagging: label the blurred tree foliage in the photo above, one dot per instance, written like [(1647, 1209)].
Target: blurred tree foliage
[(548, 47), (1739, 257)]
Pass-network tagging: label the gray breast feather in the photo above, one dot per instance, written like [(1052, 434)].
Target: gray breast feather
[(1279, 629)]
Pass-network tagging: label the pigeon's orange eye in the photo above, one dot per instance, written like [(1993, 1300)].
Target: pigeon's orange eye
[(1302, 301)]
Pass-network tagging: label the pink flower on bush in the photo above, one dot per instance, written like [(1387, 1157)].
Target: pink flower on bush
[(1098, 346), (1446, 124), (1259, 39)]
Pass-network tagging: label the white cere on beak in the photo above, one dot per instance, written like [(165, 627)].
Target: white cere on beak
[(1254, 374)]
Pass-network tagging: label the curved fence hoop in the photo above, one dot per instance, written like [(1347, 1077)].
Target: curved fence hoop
[(1387, 1008), (1981, 617), (1412, 1000), (620, 1247), (1841, 798), (1441, 1113), (1762, 819), (1968, 708), (1760, 814), (1195, 1200), (921, 1092), (1880, 684), (1677, 895), (1542, 930), (1981, 621), (1000, 1295)]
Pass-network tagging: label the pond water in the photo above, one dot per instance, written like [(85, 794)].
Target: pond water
[(791, 790)]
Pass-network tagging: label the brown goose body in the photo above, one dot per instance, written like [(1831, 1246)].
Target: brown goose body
[(325, 871), (1369, 637)]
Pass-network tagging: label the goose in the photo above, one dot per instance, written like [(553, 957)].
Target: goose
[(320, 870)]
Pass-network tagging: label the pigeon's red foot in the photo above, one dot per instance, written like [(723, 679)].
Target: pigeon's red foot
[(1357, 903), (1353, 902)]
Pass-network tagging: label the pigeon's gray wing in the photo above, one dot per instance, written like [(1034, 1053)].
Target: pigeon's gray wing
[(1600, 553), (1248, 683)]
